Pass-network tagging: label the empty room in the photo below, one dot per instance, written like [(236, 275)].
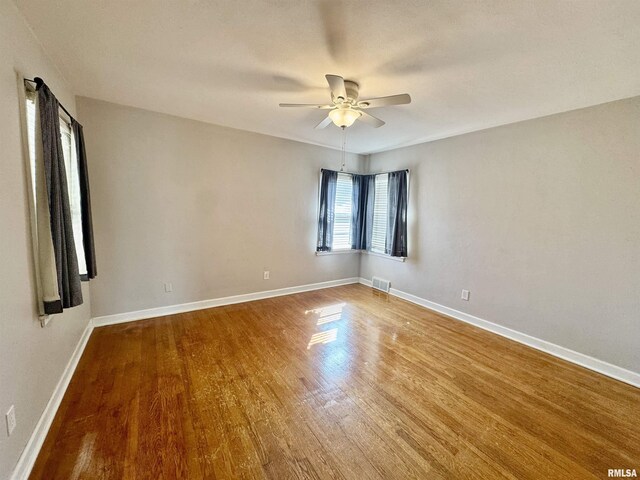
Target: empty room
[(320, 239)]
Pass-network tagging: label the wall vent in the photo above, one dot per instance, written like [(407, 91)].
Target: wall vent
[(380, 284)]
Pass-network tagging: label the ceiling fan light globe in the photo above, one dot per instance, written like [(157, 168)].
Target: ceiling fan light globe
[(344, 117)]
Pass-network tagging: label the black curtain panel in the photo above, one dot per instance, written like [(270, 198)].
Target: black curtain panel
[(85, 201), (397, 224), (368, 217), (362, 208), (356, 212), (58, 197), (328, 182)]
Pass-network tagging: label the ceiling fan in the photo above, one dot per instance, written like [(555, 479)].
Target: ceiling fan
[(345, 108)]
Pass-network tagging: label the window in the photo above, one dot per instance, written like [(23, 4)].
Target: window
[(380, 214), (343, 211), (363, 212), (31, 133), (71, 168)]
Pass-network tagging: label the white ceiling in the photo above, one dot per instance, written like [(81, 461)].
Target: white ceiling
[(468, 65)]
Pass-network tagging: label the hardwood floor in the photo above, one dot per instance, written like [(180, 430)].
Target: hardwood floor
[(337, 383)]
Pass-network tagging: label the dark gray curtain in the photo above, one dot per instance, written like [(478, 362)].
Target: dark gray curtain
[(85, 201), (328, 182), (58, 196), (397, 224), (362, 208)]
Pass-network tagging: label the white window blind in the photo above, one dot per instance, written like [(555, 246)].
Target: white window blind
[(342, 216), (380, 214), (31, 132), (73, 186)]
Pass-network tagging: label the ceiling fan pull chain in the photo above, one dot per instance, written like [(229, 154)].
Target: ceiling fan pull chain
[(344, 143)]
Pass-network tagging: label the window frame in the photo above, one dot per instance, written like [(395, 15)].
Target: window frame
[(385, 216), (342, 247)]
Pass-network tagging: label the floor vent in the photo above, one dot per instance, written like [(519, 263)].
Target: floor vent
[(380, 284)]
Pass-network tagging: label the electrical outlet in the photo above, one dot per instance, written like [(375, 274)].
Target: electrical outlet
[(11, 420), (168, 287), (465, 295), (265, 275)]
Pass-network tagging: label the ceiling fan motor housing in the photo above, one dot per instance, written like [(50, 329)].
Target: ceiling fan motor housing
[(352, 92)]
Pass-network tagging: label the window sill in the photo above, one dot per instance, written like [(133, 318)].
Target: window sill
[(375, 254), (337, 252), (384, 255)]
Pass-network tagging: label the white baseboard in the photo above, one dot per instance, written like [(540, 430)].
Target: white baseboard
[(30, 453), (600, 366), (216, 302)]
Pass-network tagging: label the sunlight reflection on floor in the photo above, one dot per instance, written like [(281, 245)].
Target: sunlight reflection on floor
[(329, 318), (326, 314), (330, 313), (327, 336)]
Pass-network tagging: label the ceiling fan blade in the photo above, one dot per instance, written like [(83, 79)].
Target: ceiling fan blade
[(323, 123), (370, 120), (336, 83), (307, 105), (385, 101), (335, 25)]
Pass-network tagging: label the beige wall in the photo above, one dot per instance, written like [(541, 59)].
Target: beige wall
[(204, 207), (540, 220), (32, 358)]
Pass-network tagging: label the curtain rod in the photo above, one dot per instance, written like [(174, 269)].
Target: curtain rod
[(39, 82), (367, 174)]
